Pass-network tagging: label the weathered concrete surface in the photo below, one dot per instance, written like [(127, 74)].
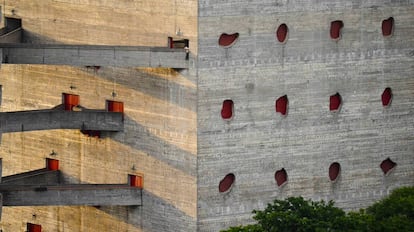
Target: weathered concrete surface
[(40, 177), (56, 119), (83, 194), (159, 137), (308, 68), (93, 55)]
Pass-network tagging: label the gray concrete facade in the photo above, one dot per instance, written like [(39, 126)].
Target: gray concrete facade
[(308, 68)]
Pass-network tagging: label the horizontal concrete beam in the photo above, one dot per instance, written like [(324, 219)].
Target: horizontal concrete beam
[(81, 194), (94, 55), (42, 176), (97, 120)]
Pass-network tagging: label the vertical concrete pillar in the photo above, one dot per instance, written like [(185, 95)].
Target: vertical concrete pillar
[(1, 165)]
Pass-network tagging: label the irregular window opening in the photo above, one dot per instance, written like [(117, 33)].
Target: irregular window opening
[(387, 166), (33, 227), (386, 97), (52, 164), (136, 181), (180, 43), (228, 40), (227, 182), (282, 105), (282, 33), (93, 67), (281, 177), (334, 171), (336, 27), (335, 102), (227, 109), (387, 26), (70, 101), (91, 133)]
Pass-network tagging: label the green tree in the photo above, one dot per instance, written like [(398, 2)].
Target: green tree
[(393, 213)]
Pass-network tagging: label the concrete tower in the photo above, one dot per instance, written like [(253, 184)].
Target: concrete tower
[(274, 99), (293, 99)]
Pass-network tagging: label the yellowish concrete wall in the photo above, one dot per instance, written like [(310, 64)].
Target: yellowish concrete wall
[(160, 115)]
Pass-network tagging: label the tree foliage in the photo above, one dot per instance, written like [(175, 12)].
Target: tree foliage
[(394, 213)]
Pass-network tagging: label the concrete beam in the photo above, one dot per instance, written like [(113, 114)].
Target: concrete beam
[(42, 176), (94, 55), (97, 120), (81, 194)]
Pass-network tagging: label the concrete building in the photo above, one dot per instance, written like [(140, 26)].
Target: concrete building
[(275, 99)]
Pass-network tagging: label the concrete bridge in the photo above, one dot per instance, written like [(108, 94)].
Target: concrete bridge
[(44, 187), (96, 120), (13, 51)]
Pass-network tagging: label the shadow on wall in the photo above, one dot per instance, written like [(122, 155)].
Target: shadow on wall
[(35, 38), (153, 84), (168, 215), (137, 217), (141, 139)]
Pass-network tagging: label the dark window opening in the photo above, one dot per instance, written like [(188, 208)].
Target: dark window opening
[(52, 164), (334, 170), (136, 181), (281, 177), (33, 227), (336, 27), (70, 101), (114, 106), (282, 33), (181, 43), (227, 109), (93, 67), (228, 40), (335, 102), (282, 105), (386, 97), (227, 182), (387, 166), (91, 133), (11, 24), (387, 26)]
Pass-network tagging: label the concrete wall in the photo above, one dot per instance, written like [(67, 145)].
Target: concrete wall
[(309, 68), (159, 138)]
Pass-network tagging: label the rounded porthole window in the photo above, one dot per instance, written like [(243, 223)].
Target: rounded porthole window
[(281, 177), (386, 97), (227, 109), (226, 183), (228, 40), (336, 28), (334, 171), (282, 33)]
